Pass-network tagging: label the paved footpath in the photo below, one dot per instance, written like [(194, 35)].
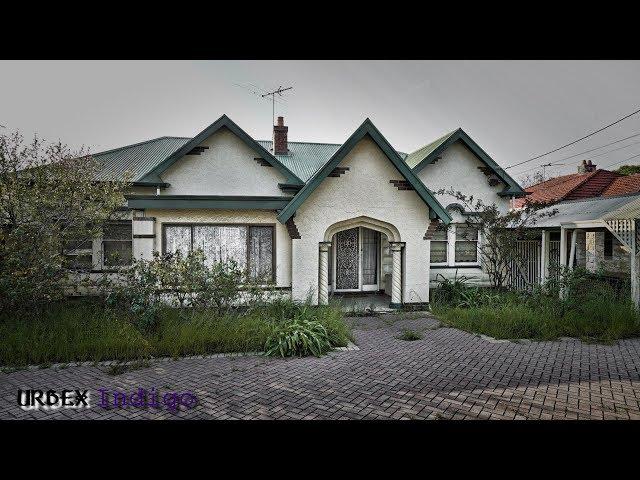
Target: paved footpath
[(449, 374)]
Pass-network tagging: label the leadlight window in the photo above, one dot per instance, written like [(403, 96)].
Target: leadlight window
[(439, 246), (466, 244), (251, 246)]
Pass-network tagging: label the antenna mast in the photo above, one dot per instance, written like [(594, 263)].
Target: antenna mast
[(278, 91)]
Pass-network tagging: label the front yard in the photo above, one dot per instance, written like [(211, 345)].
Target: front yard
[(592, 310), (83, 330)]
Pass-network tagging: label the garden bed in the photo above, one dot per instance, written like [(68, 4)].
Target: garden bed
[(80, 331), (592, 311)]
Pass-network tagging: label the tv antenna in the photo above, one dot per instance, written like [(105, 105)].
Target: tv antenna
[(278, 91)]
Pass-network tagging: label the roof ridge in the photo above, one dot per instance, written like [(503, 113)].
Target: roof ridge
[(308, 143), (136, 144), (436, 140), (599, 197)]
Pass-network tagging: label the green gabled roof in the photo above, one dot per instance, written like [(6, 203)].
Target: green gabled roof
[(427, 154), (416, 157), (137, 160), (222, 122), (367, 128), (304, 159)]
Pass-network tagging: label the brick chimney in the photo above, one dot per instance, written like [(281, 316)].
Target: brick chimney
[(586, 167), (280, 146)]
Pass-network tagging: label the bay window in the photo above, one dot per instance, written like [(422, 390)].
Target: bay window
[(251, 246)]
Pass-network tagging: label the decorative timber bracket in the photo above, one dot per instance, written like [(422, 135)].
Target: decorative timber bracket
[(197, 150)]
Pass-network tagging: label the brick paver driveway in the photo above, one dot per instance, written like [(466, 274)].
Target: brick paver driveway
[(448, 374)]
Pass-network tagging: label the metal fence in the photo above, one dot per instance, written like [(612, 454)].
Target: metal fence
[(525, 267)]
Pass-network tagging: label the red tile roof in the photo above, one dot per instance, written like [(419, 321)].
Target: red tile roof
[(581, 185), (623, 185)]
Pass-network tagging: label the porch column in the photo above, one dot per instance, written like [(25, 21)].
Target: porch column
[(563, 256), (635, 273), (323, 276), (572, 255), (396, 276), (544, 266)]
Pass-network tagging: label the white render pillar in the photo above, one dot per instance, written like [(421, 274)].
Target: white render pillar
[(635, 273), (323, 275), (396, 276), (544, 265), (572, 255), (563, 256)]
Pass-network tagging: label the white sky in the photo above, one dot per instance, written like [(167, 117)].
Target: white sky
[(513, 109)]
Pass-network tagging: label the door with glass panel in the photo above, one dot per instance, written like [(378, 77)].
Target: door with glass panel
[(356, 260)]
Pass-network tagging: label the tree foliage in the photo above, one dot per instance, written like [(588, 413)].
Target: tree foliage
[(628, 169), (499, 232), (49, 200)]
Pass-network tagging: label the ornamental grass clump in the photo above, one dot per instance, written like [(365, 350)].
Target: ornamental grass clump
[(300, 338)]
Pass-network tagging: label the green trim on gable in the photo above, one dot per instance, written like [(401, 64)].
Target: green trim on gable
[(223, 121), (367, 128), (430, 152), (230, 202)]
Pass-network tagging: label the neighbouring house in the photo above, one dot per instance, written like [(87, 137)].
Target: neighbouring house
[(315, 219), (595, 227), (588, 182)]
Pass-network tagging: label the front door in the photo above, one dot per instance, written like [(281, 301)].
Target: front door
[(357, 260), (347, 264)]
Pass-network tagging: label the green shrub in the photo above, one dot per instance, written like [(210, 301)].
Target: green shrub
[(592, 309), (299, 337), (84, 330)]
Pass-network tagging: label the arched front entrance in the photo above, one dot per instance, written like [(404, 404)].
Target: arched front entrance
[(352, 259)]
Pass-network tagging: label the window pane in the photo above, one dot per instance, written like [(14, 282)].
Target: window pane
[(464, 232), (438, 252), (77, 245), (79, 262), (178, 238), (261, 253), (222, 243), (117, 253), (466, 251), (117, 231), (439, 235)]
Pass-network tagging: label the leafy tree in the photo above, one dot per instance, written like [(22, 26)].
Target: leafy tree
[(49, 200), (628, 169), (499, 233)]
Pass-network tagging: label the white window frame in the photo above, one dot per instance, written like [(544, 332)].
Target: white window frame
[(448, 241), (98, 254), (451, 250)]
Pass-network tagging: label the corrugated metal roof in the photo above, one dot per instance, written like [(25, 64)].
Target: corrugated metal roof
[(137, 159), (304, 158), (416, 157), (592, 209)]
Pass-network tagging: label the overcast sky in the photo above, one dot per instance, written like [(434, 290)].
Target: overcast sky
[(513, 109)]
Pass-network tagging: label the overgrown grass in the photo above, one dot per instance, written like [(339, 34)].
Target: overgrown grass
[(85, 331), (592, 311), (410, 335)]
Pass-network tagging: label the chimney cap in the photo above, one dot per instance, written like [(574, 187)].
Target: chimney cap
[(281, 121)]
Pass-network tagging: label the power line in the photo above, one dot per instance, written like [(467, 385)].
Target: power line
[(575, 141), (625, 160), (592, 150)]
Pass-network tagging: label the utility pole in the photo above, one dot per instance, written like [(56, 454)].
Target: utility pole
[(278, 91)]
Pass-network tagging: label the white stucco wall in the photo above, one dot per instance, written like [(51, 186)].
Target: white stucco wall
[(458, 169), (362, 191), (283, 241), (227, 167)]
